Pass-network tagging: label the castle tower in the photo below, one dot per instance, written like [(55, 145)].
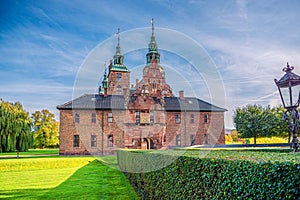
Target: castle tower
[(154, 81), (118, 75)]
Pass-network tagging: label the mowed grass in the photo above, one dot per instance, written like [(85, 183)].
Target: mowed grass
[(32, 152), (63, 178)]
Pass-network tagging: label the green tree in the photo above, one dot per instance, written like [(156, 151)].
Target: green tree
[(282, 126), (15, 127), (46, 129), (255, 121)]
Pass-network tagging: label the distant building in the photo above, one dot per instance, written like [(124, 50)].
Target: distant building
[(144, 116)]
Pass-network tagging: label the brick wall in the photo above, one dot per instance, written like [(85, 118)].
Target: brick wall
[(124, 130)]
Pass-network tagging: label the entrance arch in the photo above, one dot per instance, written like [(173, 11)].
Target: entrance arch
[(150, 144)]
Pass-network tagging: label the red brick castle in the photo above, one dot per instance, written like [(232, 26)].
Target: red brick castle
[(144, 116)]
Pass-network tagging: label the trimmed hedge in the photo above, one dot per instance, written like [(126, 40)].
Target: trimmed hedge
[(208, 178)]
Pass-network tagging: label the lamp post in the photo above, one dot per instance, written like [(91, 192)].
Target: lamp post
[(289, 90)]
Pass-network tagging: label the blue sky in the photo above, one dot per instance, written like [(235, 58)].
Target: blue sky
[(44, 44)]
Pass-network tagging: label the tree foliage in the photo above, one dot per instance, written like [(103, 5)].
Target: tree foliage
[(255, 121), (46, 129), (15, 127)]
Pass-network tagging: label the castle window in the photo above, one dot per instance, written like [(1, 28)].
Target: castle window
[(206, 118), (109, 117), (137, 117), (177, 118), (93, 141), (119, 90), (192, 118), (118, 77), (93, 117), (76, 141), (192, 139), (177, 140), (76, 118), (165, 138), (151, 117), (110, 141), (206, 138)]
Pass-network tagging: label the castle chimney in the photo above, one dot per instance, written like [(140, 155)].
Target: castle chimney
[(181, 94)]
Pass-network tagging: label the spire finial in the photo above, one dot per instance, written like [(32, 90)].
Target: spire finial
[(118, 33), (118, 48), (152, 23)]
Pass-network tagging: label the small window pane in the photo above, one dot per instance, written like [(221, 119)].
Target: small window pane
[(206, 118), (93, 141), (118, 77), (109, 117), (119, 90), (137, 117), (110, 141), (192, 139), (93, 117), (76, 118), (177, 140), (206, 138), (192, 118), (76, 141), (151, 117), (177, 118)]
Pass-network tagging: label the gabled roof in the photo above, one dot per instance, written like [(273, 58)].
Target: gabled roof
[(94, 101), (190, 104), (110, 102)]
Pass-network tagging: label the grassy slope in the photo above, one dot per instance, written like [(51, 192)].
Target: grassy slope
[(62, 178)]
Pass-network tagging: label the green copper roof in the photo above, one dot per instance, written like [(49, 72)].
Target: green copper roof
[(152, 49), (118, 67), (118, 64)]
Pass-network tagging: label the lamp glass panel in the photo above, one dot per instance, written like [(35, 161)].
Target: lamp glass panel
[(285, 96), (295, 95)]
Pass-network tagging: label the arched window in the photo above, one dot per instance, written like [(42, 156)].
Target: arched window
[(110, 141)]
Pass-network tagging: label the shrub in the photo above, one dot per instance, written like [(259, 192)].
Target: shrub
[(210, 178)]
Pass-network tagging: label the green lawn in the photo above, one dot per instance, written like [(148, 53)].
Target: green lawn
[(32, 152), (63, 178)]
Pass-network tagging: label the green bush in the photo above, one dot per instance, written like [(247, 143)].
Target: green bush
[(209, 178)]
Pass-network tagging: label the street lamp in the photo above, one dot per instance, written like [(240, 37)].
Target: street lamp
[(289, 90)]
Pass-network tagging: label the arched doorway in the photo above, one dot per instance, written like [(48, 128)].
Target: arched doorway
[(149, 142)]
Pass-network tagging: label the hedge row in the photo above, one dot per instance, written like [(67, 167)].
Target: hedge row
[(207, 178)]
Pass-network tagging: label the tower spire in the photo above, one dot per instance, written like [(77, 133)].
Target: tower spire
[(153, 49), (118, 57), (152, 44), (118, 48), (152, 23)]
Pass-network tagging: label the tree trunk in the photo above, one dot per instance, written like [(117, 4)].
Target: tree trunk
[(254, 139), (289, 138)]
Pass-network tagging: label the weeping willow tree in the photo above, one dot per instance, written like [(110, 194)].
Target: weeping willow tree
[(15, 127)]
